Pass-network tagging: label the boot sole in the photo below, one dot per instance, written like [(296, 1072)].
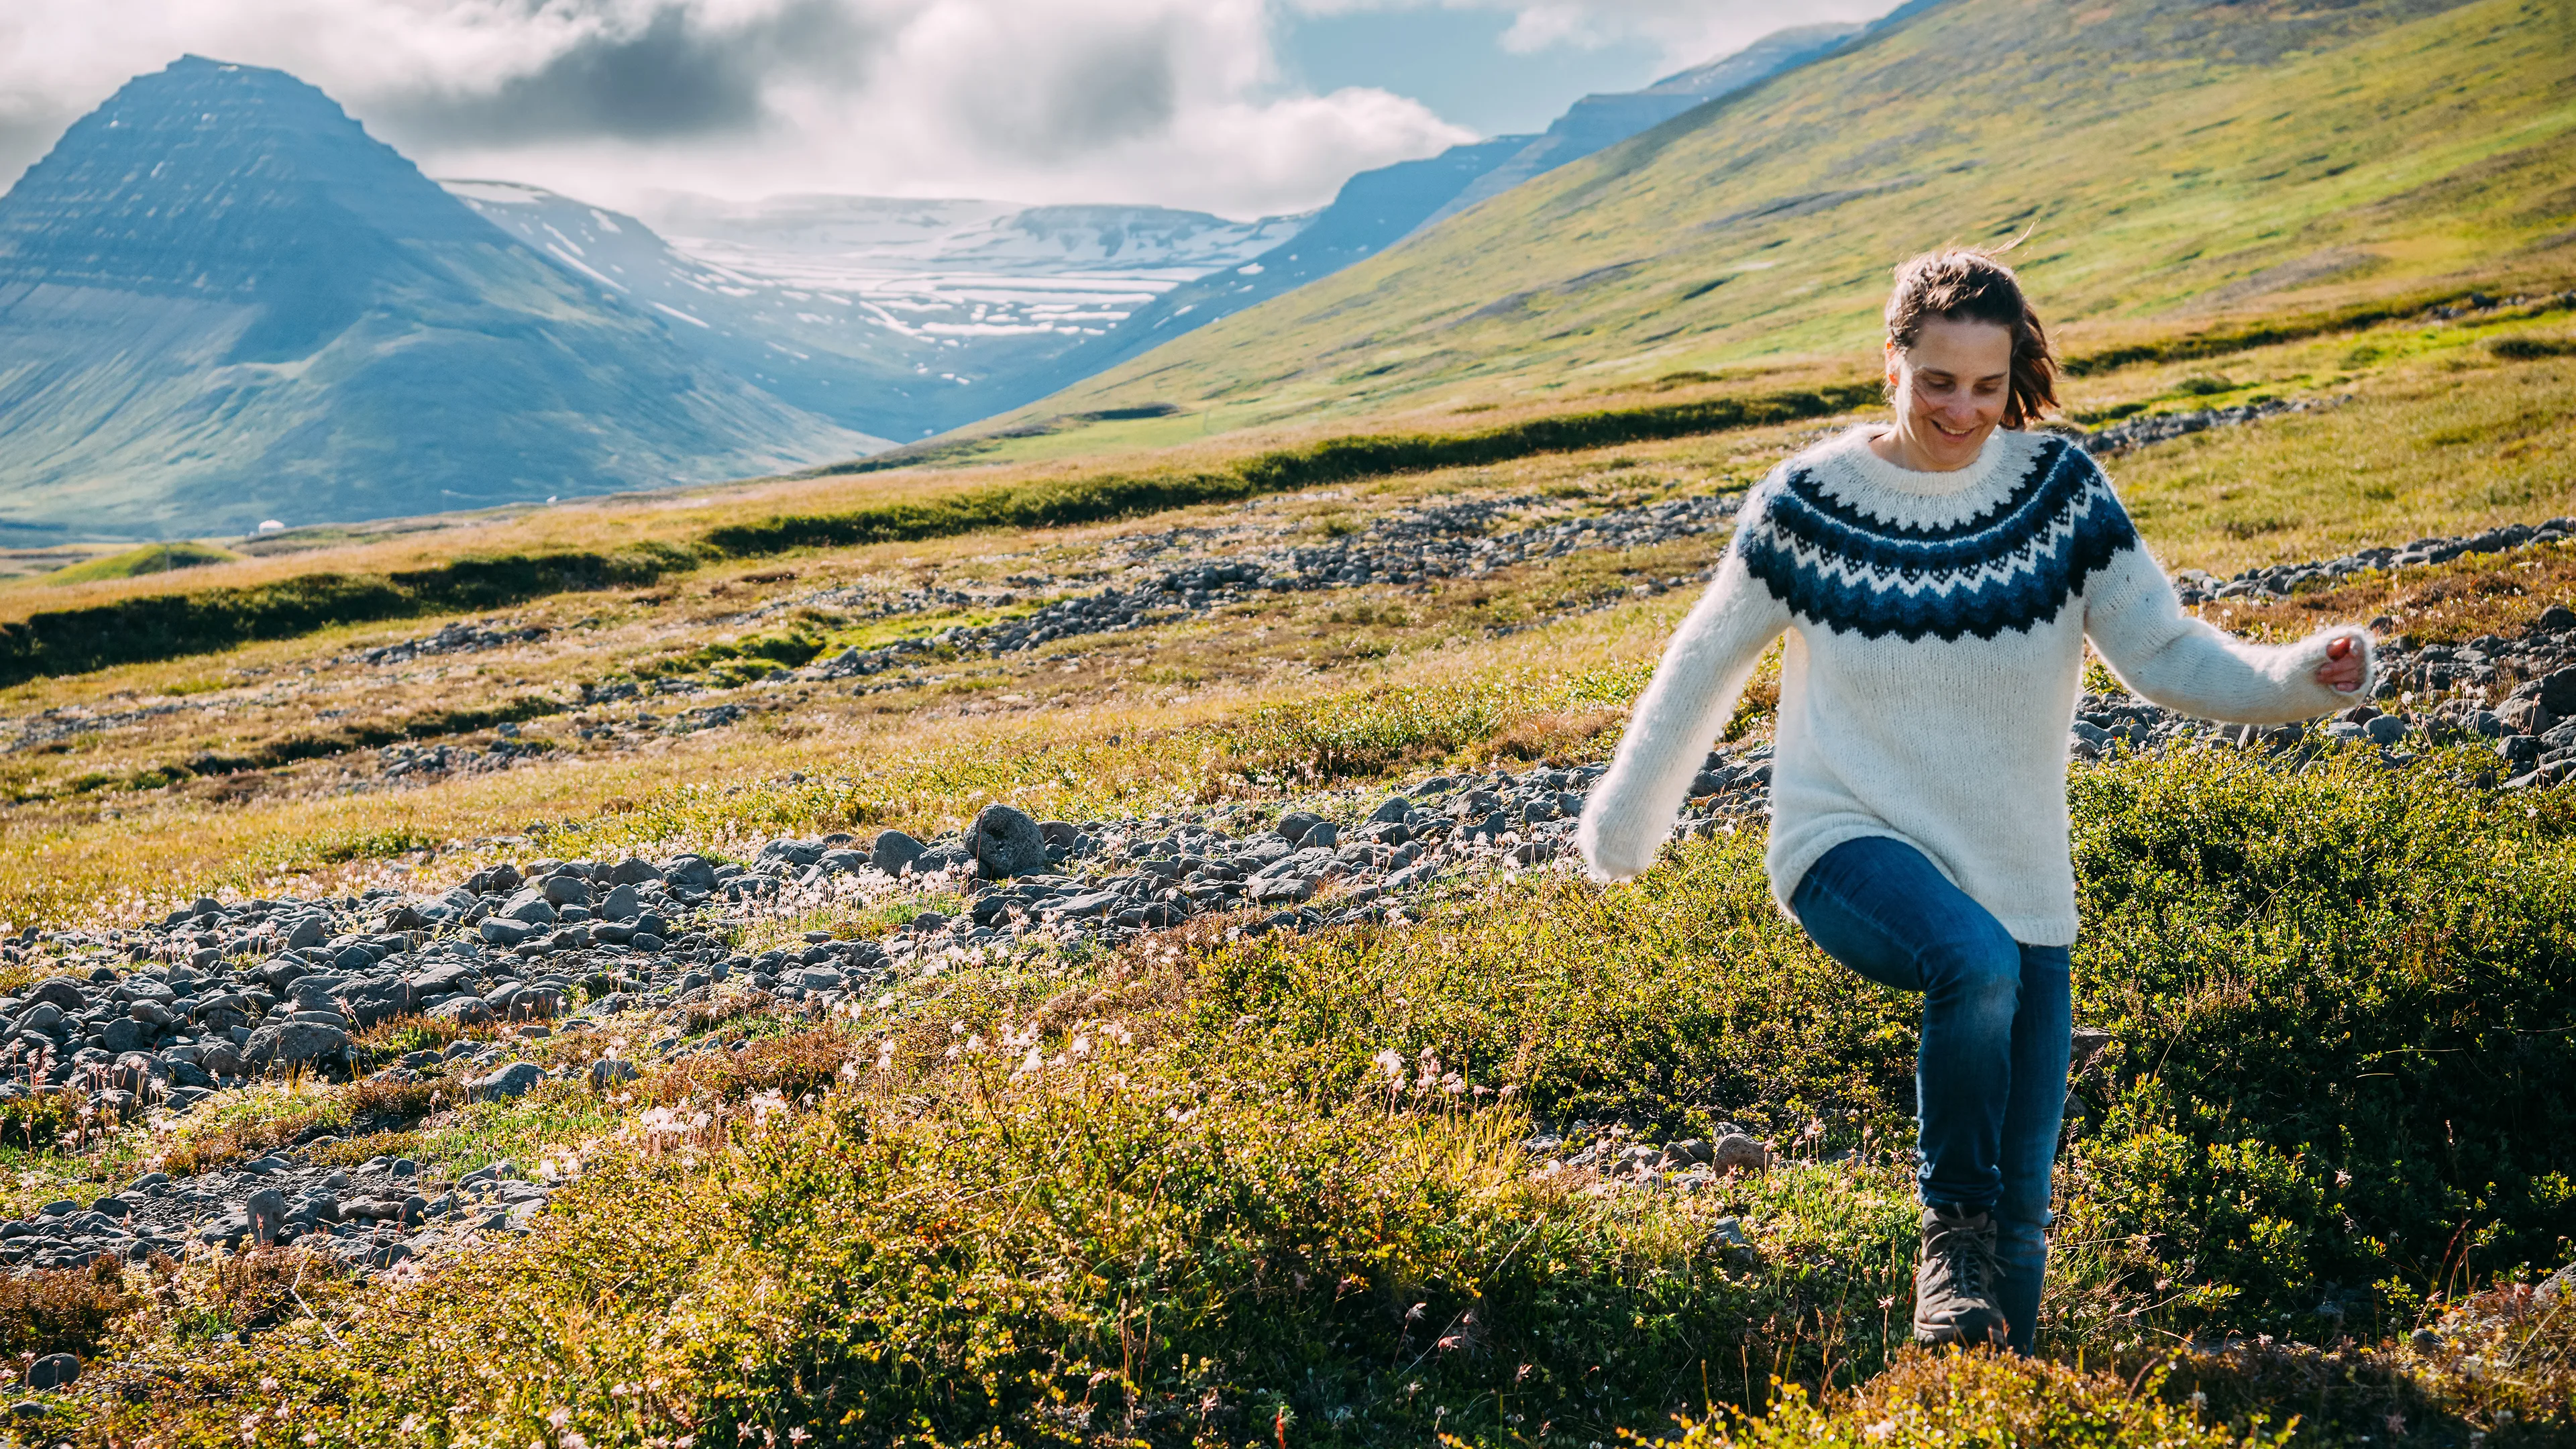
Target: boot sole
[(1965, 1332)]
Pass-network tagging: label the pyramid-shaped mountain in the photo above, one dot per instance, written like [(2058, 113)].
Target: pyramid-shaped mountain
[(222, 301)]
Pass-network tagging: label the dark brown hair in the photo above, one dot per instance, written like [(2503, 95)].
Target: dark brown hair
[(1962, 285)]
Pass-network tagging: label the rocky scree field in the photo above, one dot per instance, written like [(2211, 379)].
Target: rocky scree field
[(1125, 984)]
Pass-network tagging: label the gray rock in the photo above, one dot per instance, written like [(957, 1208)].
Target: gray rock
[(440, 981), (1007, 843), (1294, 825), (463, 1010), (566, 890), (266, 1210), (690, 873), (61, 991), (841, 862), (511, 1081), (1397, 809), (2525, 716), (609, 1071), (502, 931), (620, 904), (1736, 1150), (530, 906), (295, 1041), (306, 931), (53, 1371), (632, 871), (1322, 835), (1283, 889), (2556, 692), (893, 851)]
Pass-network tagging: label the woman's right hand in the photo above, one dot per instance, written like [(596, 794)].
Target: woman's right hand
[(2346, 664)]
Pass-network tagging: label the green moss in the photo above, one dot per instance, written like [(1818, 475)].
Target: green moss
[(152, 558)]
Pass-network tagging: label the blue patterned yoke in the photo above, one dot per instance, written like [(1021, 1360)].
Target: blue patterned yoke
[(2008, 567)]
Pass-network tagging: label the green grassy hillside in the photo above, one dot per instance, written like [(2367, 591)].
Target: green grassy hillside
[(2170, 162), (152, 558)]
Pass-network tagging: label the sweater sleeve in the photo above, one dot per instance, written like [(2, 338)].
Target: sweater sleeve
[(1676, 720), (2182, 663)]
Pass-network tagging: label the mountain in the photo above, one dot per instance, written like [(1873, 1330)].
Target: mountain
[(221, 301), (1376, 209), (1597, 121), (2169, 159), (893, 317)]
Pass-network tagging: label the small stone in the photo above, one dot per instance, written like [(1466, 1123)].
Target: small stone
[(296, 1041), (609, 1071), (1007, 842), (893, 851), (53, 1371), (1294, 825), (1736, 1150), (2557, 618), (530, 906), (61, 991), (266, 1210), (511, 1081), (620, 904), (566, 890), (633, 871)]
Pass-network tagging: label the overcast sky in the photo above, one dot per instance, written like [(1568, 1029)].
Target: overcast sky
[(1245, 107)]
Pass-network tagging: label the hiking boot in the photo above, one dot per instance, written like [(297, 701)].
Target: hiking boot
[(1954, 1289)]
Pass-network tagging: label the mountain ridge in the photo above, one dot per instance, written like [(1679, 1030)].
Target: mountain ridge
[(221, 301)]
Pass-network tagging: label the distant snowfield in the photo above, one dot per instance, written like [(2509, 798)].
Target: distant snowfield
[(958, 269), (847, 305)]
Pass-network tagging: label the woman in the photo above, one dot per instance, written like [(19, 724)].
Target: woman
[(1938, 576)]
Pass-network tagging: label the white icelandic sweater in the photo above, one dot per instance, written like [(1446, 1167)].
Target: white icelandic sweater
[(1936, 648)]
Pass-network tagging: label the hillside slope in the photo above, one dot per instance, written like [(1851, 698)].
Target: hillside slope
[(222, 301), (2169, 160), (1377, 209)]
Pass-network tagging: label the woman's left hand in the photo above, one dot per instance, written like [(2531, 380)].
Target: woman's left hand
[(2344, 665)]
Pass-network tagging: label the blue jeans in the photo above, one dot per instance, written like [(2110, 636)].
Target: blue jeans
[(1990, 1076)]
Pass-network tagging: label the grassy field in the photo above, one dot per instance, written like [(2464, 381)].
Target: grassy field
[(1173, 1194), (1214, 1224)]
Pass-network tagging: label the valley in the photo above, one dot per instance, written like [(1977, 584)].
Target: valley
[(1068, 931)]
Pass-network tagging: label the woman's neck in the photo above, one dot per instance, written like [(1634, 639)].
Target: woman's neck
[(1898, 445)]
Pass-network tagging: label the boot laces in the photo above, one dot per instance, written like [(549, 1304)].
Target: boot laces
[(1966, 1253)]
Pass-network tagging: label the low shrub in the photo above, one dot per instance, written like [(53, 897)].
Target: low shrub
[(1332, 460), (61, 1310), (166, 626), (1947, 1399)]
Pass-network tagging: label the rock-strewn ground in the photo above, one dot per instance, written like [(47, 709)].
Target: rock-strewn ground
[(221, 992)]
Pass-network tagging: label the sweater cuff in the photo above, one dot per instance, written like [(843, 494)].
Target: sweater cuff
[(2304, 658)]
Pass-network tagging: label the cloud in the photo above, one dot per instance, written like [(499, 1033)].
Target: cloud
[(1687, 32), (668, 72), (1177, 102)]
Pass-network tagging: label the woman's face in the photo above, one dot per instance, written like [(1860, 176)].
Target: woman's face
[(1950, 388)]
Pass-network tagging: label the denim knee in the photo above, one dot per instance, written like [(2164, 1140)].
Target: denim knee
[(1978, 970)]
